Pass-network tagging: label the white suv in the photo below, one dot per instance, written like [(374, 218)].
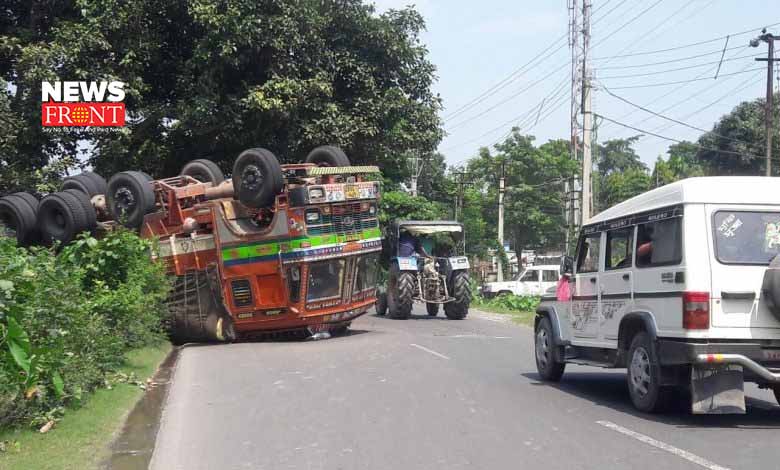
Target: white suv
[(534, 280), (676, 286)]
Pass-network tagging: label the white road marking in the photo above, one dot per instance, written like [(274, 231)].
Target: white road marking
[(478, 336), (683, 454), (429, 351)]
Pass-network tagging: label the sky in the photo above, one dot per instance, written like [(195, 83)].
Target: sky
[(478, 44)]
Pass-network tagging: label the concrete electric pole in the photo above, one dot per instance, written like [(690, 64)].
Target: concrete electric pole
[(501, 189), (770, 60), (587, 115), (571, 187)]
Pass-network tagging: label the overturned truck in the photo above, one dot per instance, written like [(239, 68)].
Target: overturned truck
[(278, 250)]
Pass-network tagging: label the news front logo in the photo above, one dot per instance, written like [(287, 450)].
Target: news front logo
[(82, 104)]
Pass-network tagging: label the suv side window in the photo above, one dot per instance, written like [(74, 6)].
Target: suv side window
[(620, 246), (549, 275), (588, 260), (532, 275), (659, 243)]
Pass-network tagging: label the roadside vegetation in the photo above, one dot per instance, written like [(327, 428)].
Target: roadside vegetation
[(68, 319), (521, 308)]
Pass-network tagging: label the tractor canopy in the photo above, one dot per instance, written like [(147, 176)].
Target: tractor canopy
[(435, 235)]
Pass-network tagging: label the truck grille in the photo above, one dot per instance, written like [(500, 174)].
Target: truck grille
[(344, 219), (242, 293)]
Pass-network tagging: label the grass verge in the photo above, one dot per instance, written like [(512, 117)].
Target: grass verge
[(520, 317), (81, 438)]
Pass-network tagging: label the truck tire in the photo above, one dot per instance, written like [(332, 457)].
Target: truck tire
[(433, 309), (130, 197), (776, 390), (18, 219), (403, 296), (381, 304), (644, 375), (461, 291), (550, 370), (196, 310), (204, 171), (61, 217), (257, 178), (83, 183), (31, 200), (89, 209), (99, 181), (328, 155)]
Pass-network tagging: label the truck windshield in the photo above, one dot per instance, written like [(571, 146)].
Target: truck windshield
[(366, 273), (325, 279), (743, 237)]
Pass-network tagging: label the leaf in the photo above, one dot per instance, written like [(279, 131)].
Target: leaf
[(20, 356), (91, 242), (59, 384), (6, 285)]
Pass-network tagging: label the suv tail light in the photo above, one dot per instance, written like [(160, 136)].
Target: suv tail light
[(696, 310)]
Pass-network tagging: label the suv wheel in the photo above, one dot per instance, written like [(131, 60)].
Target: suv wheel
[(777, 394), (644, 375), (549, 369)]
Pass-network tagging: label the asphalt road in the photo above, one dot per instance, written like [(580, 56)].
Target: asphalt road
[(427, 394)]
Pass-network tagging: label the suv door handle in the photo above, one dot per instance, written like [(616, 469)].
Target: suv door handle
[(592, 280), (626, 277), (747, 295)]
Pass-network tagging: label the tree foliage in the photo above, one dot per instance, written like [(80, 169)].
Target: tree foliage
[(206, 78)]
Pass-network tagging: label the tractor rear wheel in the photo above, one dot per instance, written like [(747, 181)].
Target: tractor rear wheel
[(17, 218), (257, 178), (402, 291), (196, 310), (460, 290)]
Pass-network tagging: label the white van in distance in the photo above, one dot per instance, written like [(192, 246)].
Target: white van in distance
[(681, 286)]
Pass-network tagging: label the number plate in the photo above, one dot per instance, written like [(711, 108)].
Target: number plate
[(352, 192)]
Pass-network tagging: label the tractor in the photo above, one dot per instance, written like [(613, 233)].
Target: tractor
[(427, 264)]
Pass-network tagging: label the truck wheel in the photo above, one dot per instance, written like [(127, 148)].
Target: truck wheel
[(130, 197), (461, 291), (433, 309), (196, 314), (31, 200), (61, 217), (403, 295), (99, 181), (328, 155), (204, 171), (83, 183), (257, 178), (381, 304), (777, 394), (86, 204), (17, 219), (549, 369), (644, 375)]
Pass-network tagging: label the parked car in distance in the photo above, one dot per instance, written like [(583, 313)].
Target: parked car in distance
[(680, 286), (533, 280)]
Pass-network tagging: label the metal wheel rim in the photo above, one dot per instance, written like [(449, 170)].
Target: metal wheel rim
[(124, 200), (542, 348), (639, 371), (251, 178)]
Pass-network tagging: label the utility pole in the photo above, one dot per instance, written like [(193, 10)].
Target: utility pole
[(461, 183), (587, 116), (571, 185), (770, 39), (417, 166), (501, 180)]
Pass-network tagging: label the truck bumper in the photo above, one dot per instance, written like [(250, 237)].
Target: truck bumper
[(759, 362)]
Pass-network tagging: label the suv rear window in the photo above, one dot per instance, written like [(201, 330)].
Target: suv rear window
[(743, 237)]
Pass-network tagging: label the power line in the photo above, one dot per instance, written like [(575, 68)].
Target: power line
[(673, 139), (684, 46), (652, 85), (636, 17), (676, 121), (670, 61), (688, 67)]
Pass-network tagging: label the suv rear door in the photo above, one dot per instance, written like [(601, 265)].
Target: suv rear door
[(743, 241)]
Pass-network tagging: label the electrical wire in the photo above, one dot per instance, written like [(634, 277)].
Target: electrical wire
[(665, 71), (670, 61), (653, 85)]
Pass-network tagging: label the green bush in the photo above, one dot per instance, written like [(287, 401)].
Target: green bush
[(511, 302), (66, 320)]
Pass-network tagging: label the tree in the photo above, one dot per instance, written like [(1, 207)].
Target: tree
[(618, 170), (682, 163), (737, 143), (206, 78)]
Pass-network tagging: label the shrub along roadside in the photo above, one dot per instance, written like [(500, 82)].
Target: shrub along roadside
[(67, 319), (522, 308)]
